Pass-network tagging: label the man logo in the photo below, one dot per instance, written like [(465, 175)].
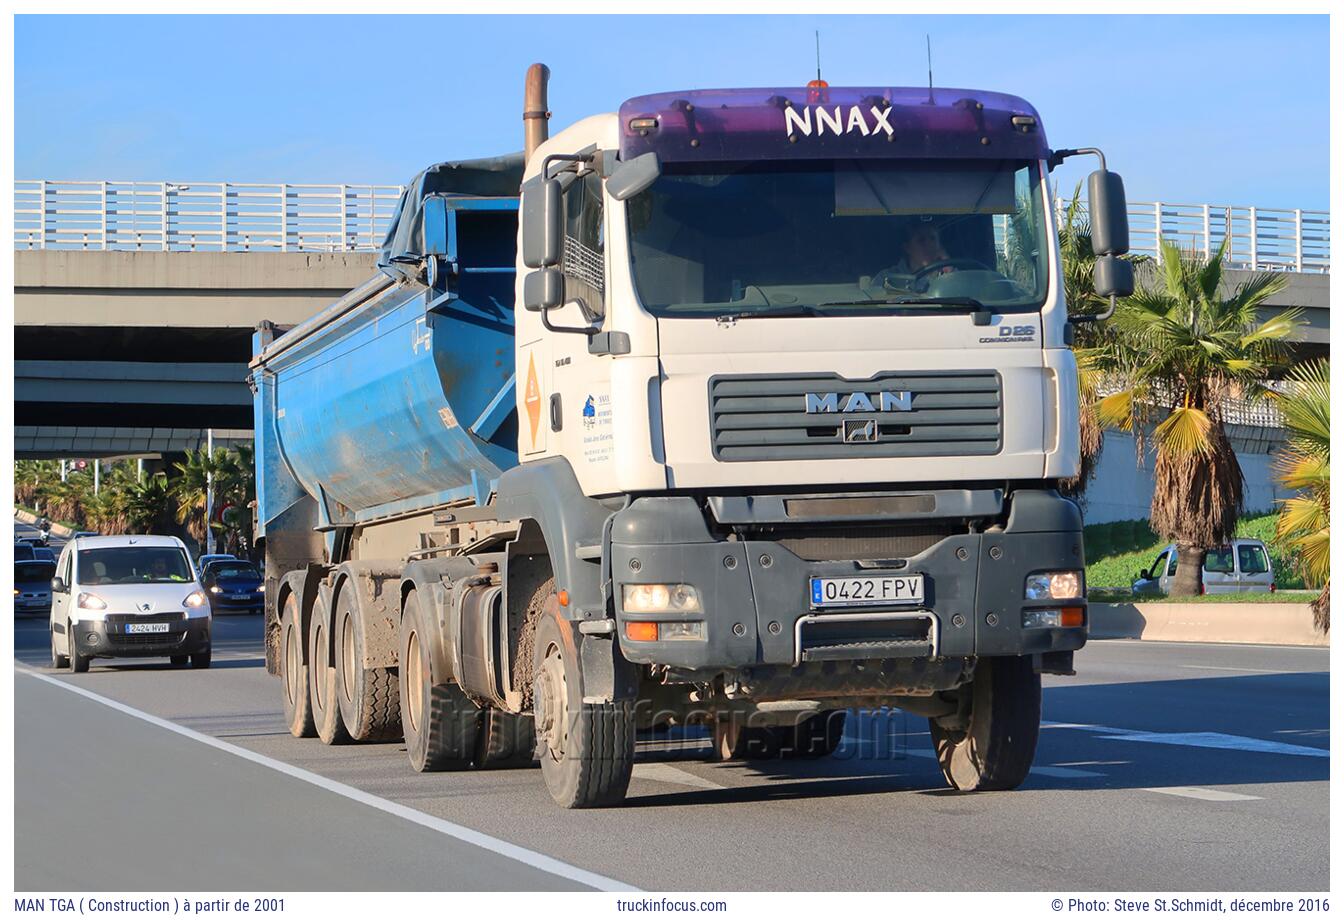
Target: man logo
[(860, 430), (887, 401)]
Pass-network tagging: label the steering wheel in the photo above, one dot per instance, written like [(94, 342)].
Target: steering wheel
[(949, 263)]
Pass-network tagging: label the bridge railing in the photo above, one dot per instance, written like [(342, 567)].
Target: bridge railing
[(225, 216), (201, 216)]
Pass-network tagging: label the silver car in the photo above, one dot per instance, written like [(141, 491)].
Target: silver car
[(1240, 567)]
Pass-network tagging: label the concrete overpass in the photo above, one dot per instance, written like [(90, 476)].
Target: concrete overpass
[(135, 302)]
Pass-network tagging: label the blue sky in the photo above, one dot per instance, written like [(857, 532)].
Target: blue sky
[(1224, 109)]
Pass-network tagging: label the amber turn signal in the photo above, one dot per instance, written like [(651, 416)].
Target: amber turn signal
[(641, 631)]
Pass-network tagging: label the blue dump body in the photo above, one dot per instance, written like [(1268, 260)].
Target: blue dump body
[(401, 397)]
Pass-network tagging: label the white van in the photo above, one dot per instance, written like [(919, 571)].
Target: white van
[(127, 597), (1241, 567)]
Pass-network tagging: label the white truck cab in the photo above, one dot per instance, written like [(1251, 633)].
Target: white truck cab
[(127, 597)]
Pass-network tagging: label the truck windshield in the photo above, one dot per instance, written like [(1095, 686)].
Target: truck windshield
[(832, 237), (124, 565)]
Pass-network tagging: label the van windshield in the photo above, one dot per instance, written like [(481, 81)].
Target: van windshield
[(125, 565), (837, 237)]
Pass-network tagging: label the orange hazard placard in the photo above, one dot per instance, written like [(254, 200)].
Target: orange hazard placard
[(532, 397)]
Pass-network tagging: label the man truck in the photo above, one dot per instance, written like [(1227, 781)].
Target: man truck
[(776, 435)]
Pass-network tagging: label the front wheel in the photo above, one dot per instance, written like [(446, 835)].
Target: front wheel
[(79, 664), (991, 741), (587, 750), (58, 661), (201, 660)]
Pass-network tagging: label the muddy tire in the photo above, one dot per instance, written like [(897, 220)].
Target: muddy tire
[(587, 750), (437, 720), (994, 748), (505, 740), (322, 679), (294, 689), (368, 698)]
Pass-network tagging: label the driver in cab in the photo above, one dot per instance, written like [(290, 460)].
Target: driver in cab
[(921, 246)]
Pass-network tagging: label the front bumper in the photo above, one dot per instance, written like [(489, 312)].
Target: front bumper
[(108, 639), (757, 608)]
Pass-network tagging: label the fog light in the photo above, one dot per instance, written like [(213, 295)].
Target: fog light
[(670, 631), (660, 599), (1062, 618), (91, 638), (1053, 586)]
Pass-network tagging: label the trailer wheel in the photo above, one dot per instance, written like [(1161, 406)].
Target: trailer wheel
[(437, 719), (367, 697), (587, 750), (993, 747), (506, 740), (322, 679), (294, 673)]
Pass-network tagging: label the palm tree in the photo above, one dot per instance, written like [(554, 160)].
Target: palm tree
[(150, 506), (1304, 465), (189, 489), (1181, 351)]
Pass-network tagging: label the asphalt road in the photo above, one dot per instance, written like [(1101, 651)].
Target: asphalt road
[(1161, 767)]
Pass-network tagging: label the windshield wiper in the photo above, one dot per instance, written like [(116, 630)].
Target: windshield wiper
[(753, 314), (909, 302)]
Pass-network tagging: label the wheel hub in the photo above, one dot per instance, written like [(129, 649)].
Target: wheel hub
[(549, 702)]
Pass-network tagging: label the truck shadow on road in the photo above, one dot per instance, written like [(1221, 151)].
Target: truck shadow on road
[(1206, 731)]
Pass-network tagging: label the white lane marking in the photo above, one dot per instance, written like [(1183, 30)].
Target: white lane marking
[(1214, 667), (1205, 795), (502, 847), (1058, 772), (1196, 739), (666, 773), (1220, 741)]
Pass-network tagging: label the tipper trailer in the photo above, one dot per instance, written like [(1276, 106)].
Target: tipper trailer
[(776, 435)]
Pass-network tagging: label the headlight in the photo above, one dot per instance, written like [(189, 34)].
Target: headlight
[(261, 589), (90, 602), (214, 589), (194, 599), (661, 599), (1054, 586)]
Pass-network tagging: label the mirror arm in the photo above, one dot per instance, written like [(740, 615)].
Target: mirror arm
[(578, 330), (564, 158), (1059, 156), (1095, 317)]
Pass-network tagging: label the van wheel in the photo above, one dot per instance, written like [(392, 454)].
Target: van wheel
[(437, 720), (991, 742), (294, 673), (201, 660), (58, 661), (79, 664), (179, 661), (587, 750), (322, 679), (367, 697)]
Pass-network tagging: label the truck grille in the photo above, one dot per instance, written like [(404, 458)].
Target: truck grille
[(951, 414)]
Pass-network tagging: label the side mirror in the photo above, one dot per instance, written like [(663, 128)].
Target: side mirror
[(1108, 213), (543, 223), (1112, 277), (543, 289), (59, 586), (634, 176)]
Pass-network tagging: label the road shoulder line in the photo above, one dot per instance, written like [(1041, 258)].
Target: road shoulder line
[(448, 828)]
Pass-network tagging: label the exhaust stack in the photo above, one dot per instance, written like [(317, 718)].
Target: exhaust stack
[(535, 112)]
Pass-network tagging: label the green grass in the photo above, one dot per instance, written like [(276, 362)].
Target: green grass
[(1116, 552), (1279, 597)]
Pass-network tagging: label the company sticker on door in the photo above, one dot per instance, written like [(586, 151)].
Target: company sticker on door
[(598, 443)]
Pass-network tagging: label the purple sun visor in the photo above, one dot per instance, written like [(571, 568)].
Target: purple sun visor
[(830, 122)]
